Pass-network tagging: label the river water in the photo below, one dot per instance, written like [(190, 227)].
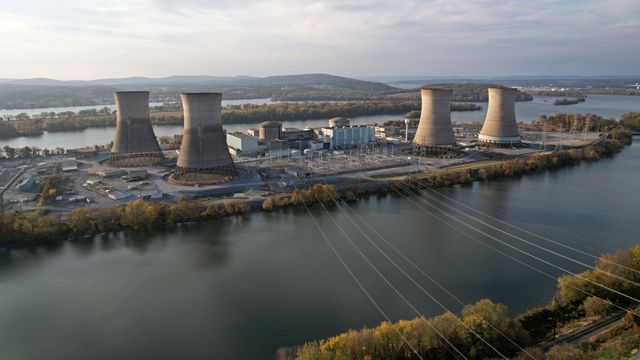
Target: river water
[(610, 106), (238, 288)]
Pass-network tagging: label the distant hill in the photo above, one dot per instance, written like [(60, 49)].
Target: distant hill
[(42, 92), (466, 92)]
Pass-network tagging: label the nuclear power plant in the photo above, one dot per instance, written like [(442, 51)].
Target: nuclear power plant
[(134, 133), (204, 146), (500, 128)]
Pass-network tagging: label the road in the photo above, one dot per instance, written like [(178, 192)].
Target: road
[(586, 332)]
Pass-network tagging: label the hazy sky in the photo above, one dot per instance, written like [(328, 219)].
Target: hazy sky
[(85, 39)]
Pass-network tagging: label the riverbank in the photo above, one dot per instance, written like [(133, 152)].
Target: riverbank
[(32, 227), (485, 329)]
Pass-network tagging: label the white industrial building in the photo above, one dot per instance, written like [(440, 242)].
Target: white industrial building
[(243, 144), (348, 136)]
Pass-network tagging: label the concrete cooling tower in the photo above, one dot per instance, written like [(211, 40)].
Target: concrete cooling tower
[(500, 123), (435, 127), (204, 144), (134, 133)]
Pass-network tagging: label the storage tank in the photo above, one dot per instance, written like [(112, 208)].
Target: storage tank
[(269, 130), (500, 123), (134, 133), (339, 122), (435, 127), (204, 144)]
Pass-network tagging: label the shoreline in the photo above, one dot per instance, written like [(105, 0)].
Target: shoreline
[(31, 228)]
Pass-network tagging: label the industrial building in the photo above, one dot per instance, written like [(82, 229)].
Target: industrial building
[(347, 137), (434, 128), (500, 126), (243, 144), (269, 130), (204, 146), (134, 133)]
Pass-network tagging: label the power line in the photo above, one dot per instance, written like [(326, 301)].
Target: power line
[(353, 276), (375, 269), (426, 275), (529, 242)]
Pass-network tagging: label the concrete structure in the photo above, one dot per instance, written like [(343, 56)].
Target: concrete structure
[(204, 145), (70, 164), (243, 144), (348, 137), (291, 134), (269, 130), (435, 127), (500, 123), (134, 133), (26, 184), (339, 122)]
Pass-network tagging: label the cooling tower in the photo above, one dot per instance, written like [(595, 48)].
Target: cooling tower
[(500, 123), (435, 127), (134, 133), (204, 144)]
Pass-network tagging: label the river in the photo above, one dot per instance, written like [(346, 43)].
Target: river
[(610, 106), (238, 288)]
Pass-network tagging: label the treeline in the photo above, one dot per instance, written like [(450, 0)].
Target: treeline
[(631, 120), (9, 152), (567, 101), (40, 96), (23, 227), (576, 299), (619, 138), (575, 122), (462, 92), (566, 93)]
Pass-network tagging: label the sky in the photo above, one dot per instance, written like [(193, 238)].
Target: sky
[(87, 39)]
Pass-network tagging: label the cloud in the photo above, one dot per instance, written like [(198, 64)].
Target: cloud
[(89, 39)]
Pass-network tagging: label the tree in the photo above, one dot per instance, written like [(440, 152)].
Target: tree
[(9, 151), (80, 222), (565, 352), (594, 306), (267, 205)]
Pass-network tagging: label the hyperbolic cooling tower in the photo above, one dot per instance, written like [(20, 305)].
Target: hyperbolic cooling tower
[(204, 145), (500, 123), (435, 127), (134, 133)]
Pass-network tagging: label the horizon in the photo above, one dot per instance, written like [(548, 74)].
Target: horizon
[(73, 40)]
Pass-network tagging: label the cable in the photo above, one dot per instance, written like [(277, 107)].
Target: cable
[(539, 259), (426, 275), (532, 233), (364, 257), (531, 243), (513, 258), (353, 276)]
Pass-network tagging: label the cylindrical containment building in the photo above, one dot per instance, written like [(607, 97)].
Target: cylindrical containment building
[(435, 127), (500, 123), (204, 145), (134, 133)]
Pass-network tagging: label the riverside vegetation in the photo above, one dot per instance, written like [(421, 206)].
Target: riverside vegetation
[(575, 300)]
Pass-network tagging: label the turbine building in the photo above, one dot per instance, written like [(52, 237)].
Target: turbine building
[(500, 126), (204, 146)]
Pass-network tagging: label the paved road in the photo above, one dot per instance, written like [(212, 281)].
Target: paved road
[(586, 332)]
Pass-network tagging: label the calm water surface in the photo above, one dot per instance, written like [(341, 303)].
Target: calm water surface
[(239, 288), (610, 106)]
